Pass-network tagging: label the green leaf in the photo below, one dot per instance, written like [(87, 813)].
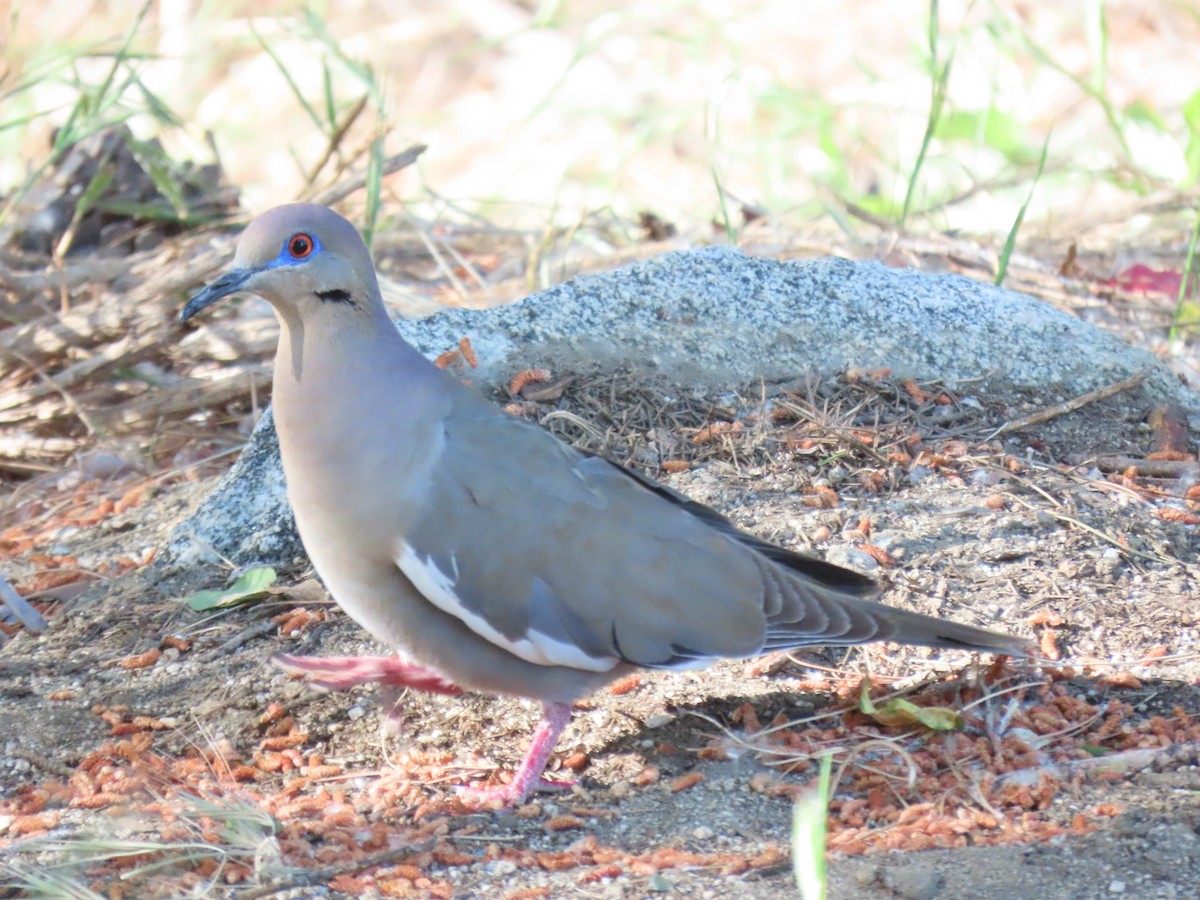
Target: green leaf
[(899, 712), (992, 127), (1094, 750), (252, 584), (809, 818), (1140, 111)]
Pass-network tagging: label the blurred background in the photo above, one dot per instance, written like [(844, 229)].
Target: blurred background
[(933, 116)]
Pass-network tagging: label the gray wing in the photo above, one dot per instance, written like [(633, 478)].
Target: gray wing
[(567, 559)]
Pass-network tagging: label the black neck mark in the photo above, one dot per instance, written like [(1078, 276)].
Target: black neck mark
[(337, 295)]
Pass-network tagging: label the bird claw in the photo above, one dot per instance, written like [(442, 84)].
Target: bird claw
[(337, 673), (506, 796)]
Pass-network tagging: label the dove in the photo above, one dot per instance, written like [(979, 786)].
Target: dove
[(487, 554)]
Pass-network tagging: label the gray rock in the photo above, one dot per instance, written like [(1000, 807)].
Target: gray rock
[(247, 518), (715, 317)]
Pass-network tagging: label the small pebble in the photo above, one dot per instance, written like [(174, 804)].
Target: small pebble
[(851, 558), (913, 882), (659, 720), (703, 833), (355, 713), (1116, 886)]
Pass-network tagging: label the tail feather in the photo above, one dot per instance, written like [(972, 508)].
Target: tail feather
[(802, 615), (905, 627)]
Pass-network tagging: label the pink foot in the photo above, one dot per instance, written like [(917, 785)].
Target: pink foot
[(336, 673), (528, 777)]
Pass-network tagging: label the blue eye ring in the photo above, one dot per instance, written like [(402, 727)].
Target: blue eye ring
[(300, 245), (296, 250)]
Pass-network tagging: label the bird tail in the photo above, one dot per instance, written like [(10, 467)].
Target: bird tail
[(906, 627)]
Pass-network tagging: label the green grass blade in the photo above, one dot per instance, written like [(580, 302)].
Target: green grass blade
[(374, 188), (940, 78), (1112, 115), (1011, 241), (356, 67), (121, 55), (291, 82), (327, 83), (1188, 278), (726, 222), (809, 824)]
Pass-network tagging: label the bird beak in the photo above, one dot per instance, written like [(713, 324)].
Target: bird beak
[(229, 283)]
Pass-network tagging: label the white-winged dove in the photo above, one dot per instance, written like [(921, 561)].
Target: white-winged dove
[(489, 555)]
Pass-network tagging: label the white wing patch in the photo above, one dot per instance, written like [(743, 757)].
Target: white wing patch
[(438, 588)]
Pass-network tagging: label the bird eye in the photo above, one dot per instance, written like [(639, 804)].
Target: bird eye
[(300, 245)]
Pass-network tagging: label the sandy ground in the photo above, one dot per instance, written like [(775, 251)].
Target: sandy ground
[(677, 790)]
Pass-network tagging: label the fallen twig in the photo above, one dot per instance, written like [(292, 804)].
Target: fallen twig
[(245, 635), (345, 188), (1062, 409), (1153, 468), (23, 446), (129, 349), (1124, 763), (228, 385), (318, 876)]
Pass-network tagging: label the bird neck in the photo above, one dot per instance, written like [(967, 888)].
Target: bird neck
[(326, 374), (345, 394)]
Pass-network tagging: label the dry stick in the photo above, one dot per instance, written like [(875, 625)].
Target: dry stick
[(335, 140), (128, 349), (50, 335), (188, 398), (1153, 468), (19, 446), (1128, 551), (1125, 763), (344, 189), (316, 876), (61, 390), (161, 278), (78, 273), (1062, 409), (258, 629)]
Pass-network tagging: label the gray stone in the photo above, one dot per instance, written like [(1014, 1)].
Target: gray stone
[(714, 317), (852, 558), (246, 519)]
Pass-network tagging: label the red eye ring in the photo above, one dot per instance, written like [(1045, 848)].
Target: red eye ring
[(300, 245)]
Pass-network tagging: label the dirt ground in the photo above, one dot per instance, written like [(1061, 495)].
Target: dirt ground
[(136, 721)]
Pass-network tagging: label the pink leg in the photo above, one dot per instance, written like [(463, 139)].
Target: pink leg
[(528, 777), (336, 673)]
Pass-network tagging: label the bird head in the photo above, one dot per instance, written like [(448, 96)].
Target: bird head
[(304, 259)]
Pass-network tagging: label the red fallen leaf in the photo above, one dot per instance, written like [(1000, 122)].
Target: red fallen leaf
[(1142, 279)]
